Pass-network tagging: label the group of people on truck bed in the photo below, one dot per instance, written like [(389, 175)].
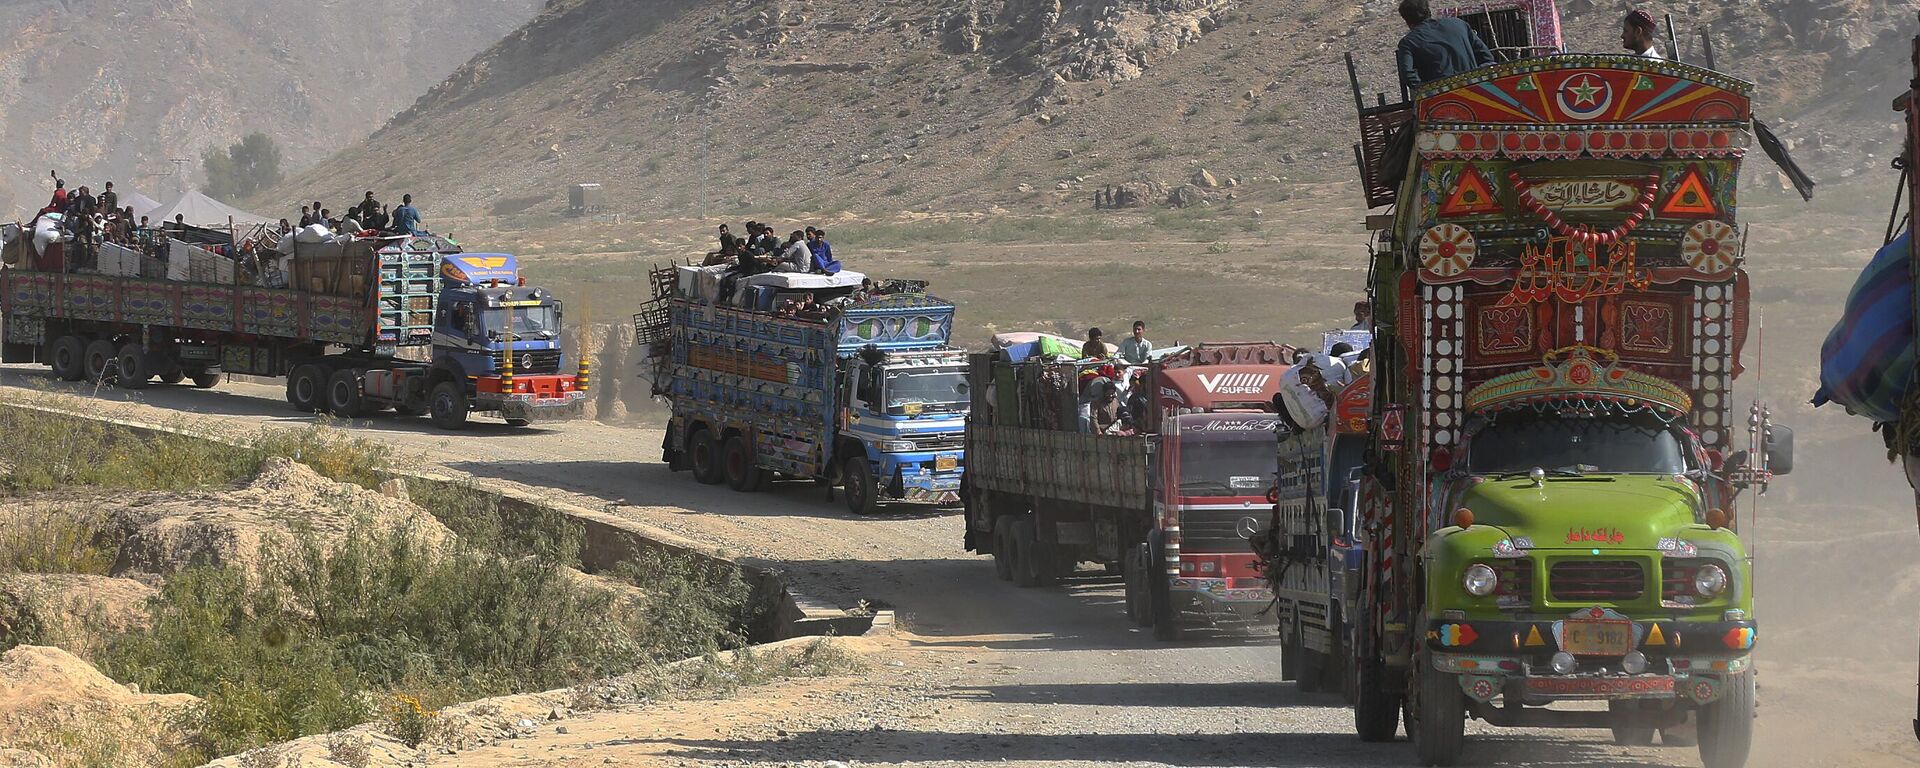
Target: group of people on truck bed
[(367, 216), (761, 251), (1436, 48), (91, 219)]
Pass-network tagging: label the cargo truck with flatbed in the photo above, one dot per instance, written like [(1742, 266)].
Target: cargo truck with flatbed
[(415, 325), (1169, 503)]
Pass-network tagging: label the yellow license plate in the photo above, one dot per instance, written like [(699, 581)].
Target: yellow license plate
[(1597, 638), (945, 463)]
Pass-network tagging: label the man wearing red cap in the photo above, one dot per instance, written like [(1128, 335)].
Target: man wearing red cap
[(1636, 35)]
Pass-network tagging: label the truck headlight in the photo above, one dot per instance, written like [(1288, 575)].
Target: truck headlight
[(1709, 580), (895, 446), (1479, 580)]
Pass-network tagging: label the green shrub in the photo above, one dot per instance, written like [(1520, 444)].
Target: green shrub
[(57, 540)]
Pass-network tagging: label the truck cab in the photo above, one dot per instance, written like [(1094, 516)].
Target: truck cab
[(906, 412), (496, 344)]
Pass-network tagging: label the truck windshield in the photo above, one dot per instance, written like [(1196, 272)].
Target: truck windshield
[(912, 391), (527, 321), (1226, 467), (1519, 442)]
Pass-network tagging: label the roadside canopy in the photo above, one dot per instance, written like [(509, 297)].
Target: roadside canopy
[(141, 204), (204, 211)]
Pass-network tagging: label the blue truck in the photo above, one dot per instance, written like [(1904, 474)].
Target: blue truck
[(808, 377), (412, 324)]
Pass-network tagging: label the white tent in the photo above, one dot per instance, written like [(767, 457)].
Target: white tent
[(203, 211), (141, 204)]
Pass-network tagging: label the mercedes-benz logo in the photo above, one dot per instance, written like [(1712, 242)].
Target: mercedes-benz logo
[(1247, 527)]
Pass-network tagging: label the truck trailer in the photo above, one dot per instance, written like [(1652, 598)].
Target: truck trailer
[(1169, 503), (808, 377), (412, 324)]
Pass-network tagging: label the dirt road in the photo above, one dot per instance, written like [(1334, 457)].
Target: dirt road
[(990, 674)]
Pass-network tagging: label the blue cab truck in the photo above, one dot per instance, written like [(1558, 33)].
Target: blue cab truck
[(861, 391)]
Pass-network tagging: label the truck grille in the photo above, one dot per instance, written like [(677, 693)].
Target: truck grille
[(1516, 580), (1676, 579), (1218, 530), (530, 362), (947, 442), (1597, 580)]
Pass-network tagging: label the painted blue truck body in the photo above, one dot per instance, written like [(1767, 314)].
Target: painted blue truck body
[(867, 395)]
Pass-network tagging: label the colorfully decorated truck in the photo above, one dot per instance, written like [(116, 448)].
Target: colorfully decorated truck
[(860, 390), (1169, 501), (411, 324), (1547, 493)]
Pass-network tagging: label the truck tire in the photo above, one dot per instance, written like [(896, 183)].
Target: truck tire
[(862, 488), (448, 405), (1020, 532), (1003, 548), (306, 388), (205, 380), (1629, 735), (704, 457), (135, 371), (1440, 720), (1376, 707), (1166, 620), (1306, 674), (344, 398), (69, 358), (1133, 572), (103, 361), (1038, 557), (173, 376), (518, 422), (1726, 725), (743, 474)]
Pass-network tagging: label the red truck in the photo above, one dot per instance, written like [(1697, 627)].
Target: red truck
[(1169, 503)]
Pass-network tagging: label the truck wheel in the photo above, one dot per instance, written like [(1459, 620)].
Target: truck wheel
[(1166, 620), (103, 360), (1039, 558), (448, 405), (69, 358), (344, 398), (1020, 531), (1629, 735), (863, 490), (1306, 676), (742, 474), (1726, 726), (1002, 549), (705, 457), (134, 370), (1376, 708), (1440, 720), (306, 388), (1133, 570), (173, 376), (207, 380)]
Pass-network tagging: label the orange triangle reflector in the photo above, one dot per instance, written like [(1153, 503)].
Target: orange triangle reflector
[(1472, 195), (1690, 197)]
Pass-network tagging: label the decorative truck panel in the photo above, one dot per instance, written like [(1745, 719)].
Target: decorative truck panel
[(195, 306)]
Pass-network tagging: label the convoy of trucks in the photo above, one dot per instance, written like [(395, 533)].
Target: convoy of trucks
[(1549, 452), (860, 391), (1168, 502), (345, 334)]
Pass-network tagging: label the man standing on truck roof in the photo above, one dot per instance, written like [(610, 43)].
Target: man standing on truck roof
[(1636, 34), (1437, 48), (406, 218), (1135, 349), (109, 201)]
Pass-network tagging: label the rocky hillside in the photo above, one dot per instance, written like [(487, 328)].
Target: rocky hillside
[(105, 89), (705, 106)]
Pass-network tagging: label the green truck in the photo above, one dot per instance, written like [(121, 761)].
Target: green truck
[(1547, 496)]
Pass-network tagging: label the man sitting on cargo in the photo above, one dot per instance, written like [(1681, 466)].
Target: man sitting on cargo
[(1095, 347), (794, 256), (1437, 48), (406, 218)]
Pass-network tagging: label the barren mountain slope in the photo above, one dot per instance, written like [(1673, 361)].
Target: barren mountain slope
[(705, 105), (112, 89)]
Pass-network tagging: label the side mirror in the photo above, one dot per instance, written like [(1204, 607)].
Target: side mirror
[(1780, 449), (1336, 524)]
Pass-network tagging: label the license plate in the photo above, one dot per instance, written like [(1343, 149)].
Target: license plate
[(945, 463), (1597, 638)]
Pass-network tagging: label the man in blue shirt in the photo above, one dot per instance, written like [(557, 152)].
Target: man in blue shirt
[(823, 261), (1437, 48), (406, 218)]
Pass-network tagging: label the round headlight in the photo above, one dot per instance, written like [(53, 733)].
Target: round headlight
[(1709, 580), (1479, 580)]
